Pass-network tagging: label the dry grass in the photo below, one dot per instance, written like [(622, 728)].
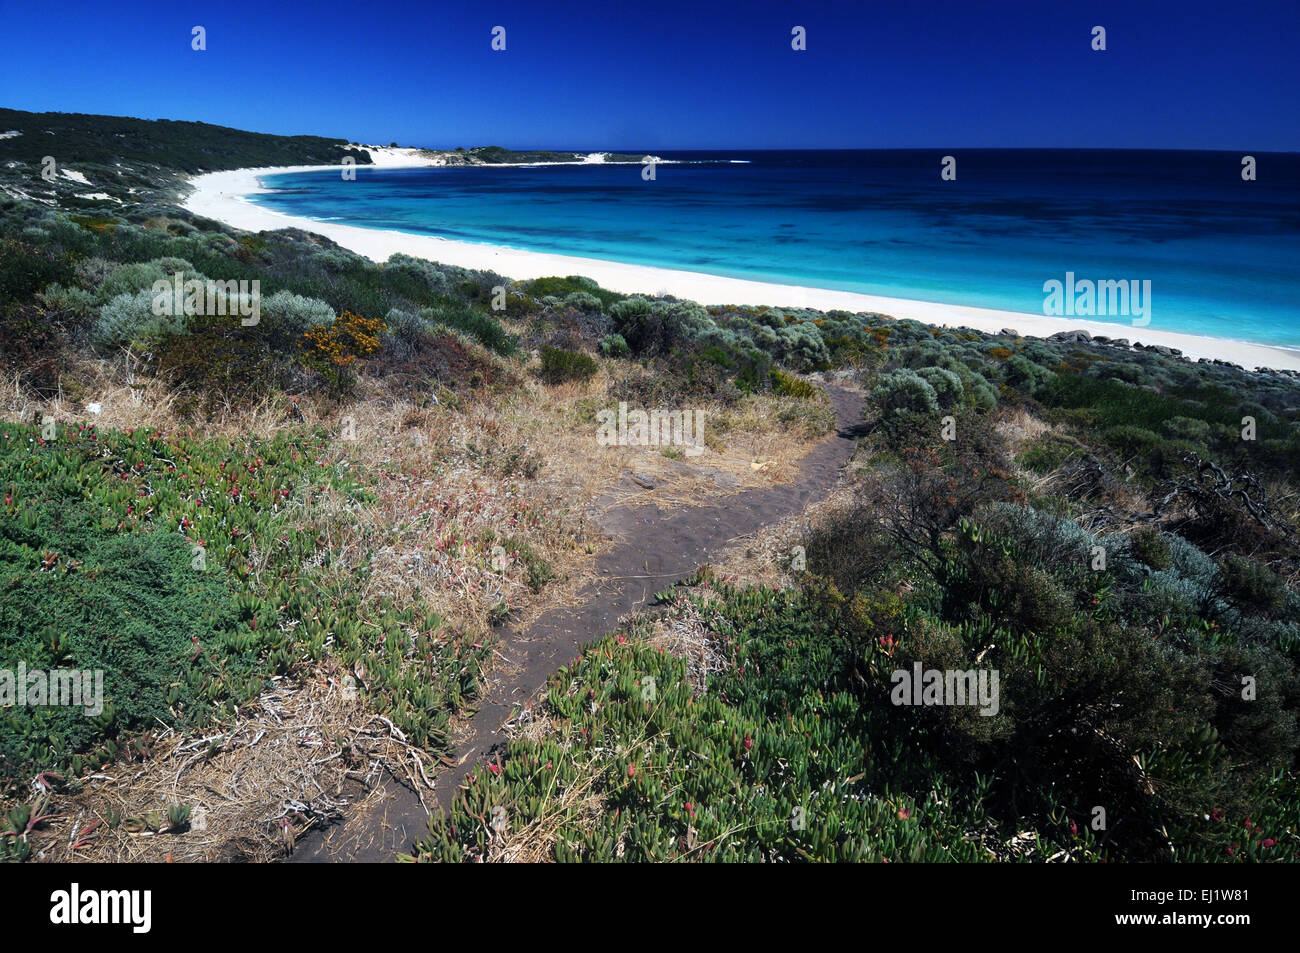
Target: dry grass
[(767, 558), (686, 632), (521, 468), (127, 400), (1019, 427), (452, 483), (286, 764), (453, 475), (757, 442), (1107, 503)]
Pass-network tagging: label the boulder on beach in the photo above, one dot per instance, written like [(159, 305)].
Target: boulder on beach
[(1071, 337)]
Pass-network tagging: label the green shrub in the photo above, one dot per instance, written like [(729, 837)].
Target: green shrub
[(71, 299), (582, 301), (129, 320), (1150, 547), (560, 366), (904, 391), (1187, 428), (788, 385), (574, 284), (947, 385), (287, 316), (1251, 585), (218, 363), (645, 330), (1132, 441), (26, 269), (613, 345), (416, 277), (1050, 451), (131, 606), (1027, 376), (483, 328), (140, 276)]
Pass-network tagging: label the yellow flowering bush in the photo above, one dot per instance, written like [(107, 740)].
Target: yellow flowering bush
[(350, 336)]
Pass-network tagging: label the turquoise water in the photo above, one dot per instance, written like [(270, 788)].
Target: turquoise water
[(1222, 254)]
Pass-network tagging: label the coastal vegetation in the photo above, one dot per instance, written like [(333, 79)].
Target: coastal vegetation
[(347, 497), (1137, 599), (104, 141), (327, 514), (92, 162)]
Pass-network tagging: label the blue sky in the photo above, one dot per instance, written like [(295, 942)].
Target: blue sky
[(665, 74)]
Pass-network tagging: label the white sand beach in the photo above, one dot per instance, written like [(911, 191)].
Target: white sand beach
[(223, 196)]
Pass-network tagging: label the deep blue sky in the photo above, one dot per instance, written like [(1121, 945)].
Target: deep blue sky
[(666, 74)]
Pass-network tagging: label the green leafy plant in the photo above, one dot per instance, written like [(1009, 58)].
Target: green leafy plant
[(560, 366)]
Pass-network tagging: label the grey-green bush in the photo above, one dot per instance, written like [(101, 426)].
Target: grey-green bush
[(288, 316), (613, 345), (128, 319), (904, 391)]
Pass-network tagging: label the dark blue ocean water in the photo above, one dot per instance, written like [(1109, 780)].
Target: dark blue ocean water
[(1222, 254)]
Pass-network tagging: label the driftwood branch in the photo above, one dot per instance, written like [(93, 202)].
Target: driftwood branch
[(1213, 488)]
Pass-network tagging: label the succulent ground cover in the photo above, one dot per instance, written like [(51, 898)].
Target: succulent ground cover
[(313, 521), (1148, 700)]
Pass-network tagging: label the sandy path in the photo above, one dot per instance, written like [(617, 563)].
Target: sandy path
[(653, 549)]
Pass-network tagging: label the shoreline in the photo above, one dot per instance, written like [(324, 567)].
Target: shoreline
[(223, 196)]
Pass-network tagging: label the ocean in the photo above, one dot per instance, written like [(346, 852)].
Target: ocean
[(1222, 255)]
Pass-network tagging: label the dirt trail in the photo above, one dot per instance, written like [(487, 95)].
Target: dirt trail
[(654, 549)]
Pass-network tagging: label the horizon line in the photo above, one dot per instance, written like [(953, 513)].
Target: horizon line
[(710, 148)]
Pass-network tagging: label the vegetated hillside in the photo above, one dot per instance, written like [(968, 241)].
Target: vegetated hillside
[(1102, 528), (117, 161), (80, 138), (134, 161), (228, 440), (1113, 529)]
